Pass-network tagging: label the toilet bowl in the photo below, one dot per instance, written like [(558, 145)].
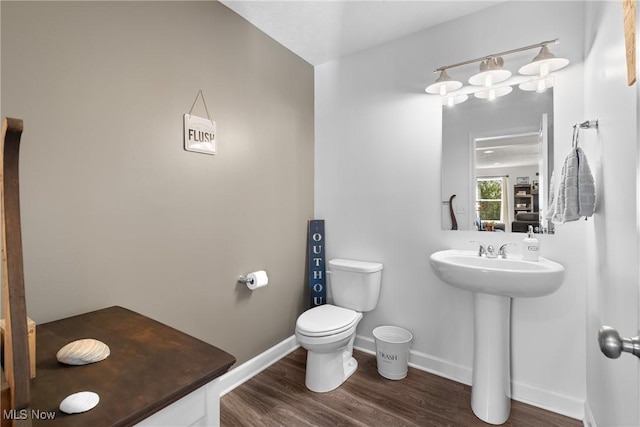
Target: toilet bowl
[(328, 331)]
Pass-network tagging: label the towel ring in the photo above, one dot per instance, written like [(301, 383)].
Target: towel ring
[(587, 124)]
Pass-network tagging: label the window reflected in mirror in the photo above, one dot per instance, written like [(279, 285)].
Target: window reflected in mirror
[(491, 198)]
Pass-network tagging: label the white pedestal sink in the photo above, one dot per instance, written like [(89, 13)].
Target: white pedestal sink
[(494, 282)]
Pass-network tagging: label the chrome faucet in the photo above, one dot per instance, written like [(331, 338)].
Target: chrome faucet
[(481, 250), (502, 252), (491, 252)]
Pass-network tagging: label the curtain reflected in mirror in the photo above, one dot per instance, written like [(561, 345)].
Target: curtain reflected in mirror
[(495, 159)]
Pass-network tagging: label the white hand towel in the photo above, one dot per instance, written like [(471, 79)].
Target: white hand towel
[(586, 186), (575, 197)]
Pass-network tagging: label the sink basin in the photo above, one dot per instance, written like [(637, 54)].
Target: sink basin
[(494, 282), (512, 277)]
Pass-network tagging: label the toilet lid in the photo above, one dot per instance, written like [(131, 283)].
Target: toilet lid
[(325, 320)]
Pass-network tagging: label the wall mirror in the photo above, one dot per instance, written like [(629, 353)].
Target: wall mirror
[(497, 159)]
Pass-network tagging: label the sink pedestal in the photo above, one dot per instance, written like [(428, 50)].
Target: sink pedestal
[(494, 281), (491, 388)]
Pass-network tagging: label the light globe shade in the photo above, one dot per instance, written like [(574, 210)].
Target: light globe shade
[(489, 78), (452, 100), (493, 93), (544, 63), (443, 85), (539, 85), (491, 73)]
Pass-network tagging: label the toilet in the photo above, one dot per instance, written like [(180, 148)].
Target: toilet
[(328, 331)]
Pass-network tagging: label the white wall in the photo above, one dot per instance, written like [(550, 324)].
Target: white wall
[(612, 279), (377, 176)]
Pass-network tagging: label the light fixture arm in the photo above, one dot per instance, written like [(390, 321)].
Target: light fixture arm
[(506, 52)]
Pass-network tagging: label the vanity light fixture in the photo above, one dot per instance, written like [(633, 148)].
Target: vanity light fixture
[(539, 85), (443, 85), (454, 99), (493, 92), (491, 73), (494, 81), (544, 63)]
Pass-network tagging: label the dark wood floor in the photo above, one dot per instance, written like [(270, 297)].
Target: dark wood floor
[(278, 397)]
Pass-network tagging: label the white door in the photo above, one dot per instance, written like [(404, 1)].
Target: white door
[(613, 385)]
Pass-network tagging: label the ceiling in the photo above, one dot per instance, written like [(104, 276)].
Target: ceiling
[(508, 151), (323, 30)]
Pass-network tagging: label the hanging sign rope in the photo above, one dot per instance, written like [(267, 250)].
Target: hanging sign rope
[(199, 133)]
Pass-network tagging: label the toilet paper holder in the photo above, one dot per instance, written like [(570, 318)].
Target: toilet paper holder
[(245, 280), (255, 280)]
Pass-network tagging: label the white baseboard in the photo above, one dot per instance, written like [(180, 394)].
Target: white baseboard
[(523, 392), (589, 420), (423, 362), (242, 373), (548, 399)]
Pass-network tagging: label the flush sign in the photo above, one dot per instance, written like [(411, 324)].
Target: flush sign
[(199, 134)]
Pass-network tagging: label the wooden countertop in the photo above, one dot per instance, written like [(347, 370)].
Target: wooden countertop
[(151, 366)]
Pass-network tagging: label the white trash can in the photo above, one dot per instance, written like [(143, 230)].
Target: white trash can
[(392, 351)]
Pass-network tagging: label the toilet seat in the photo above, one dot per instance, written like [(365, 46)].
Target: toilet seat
[(326, 320)]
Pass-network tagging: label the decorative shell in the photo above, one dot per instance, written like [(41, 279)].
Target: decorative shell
[(79, 402), (83, 352)]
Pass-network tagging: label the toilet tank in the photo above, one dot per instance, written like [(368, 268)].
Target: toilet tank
[(355, 284)]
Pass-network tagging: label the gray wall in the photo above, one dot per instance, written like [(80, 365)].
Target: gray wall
[(114, 211)]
